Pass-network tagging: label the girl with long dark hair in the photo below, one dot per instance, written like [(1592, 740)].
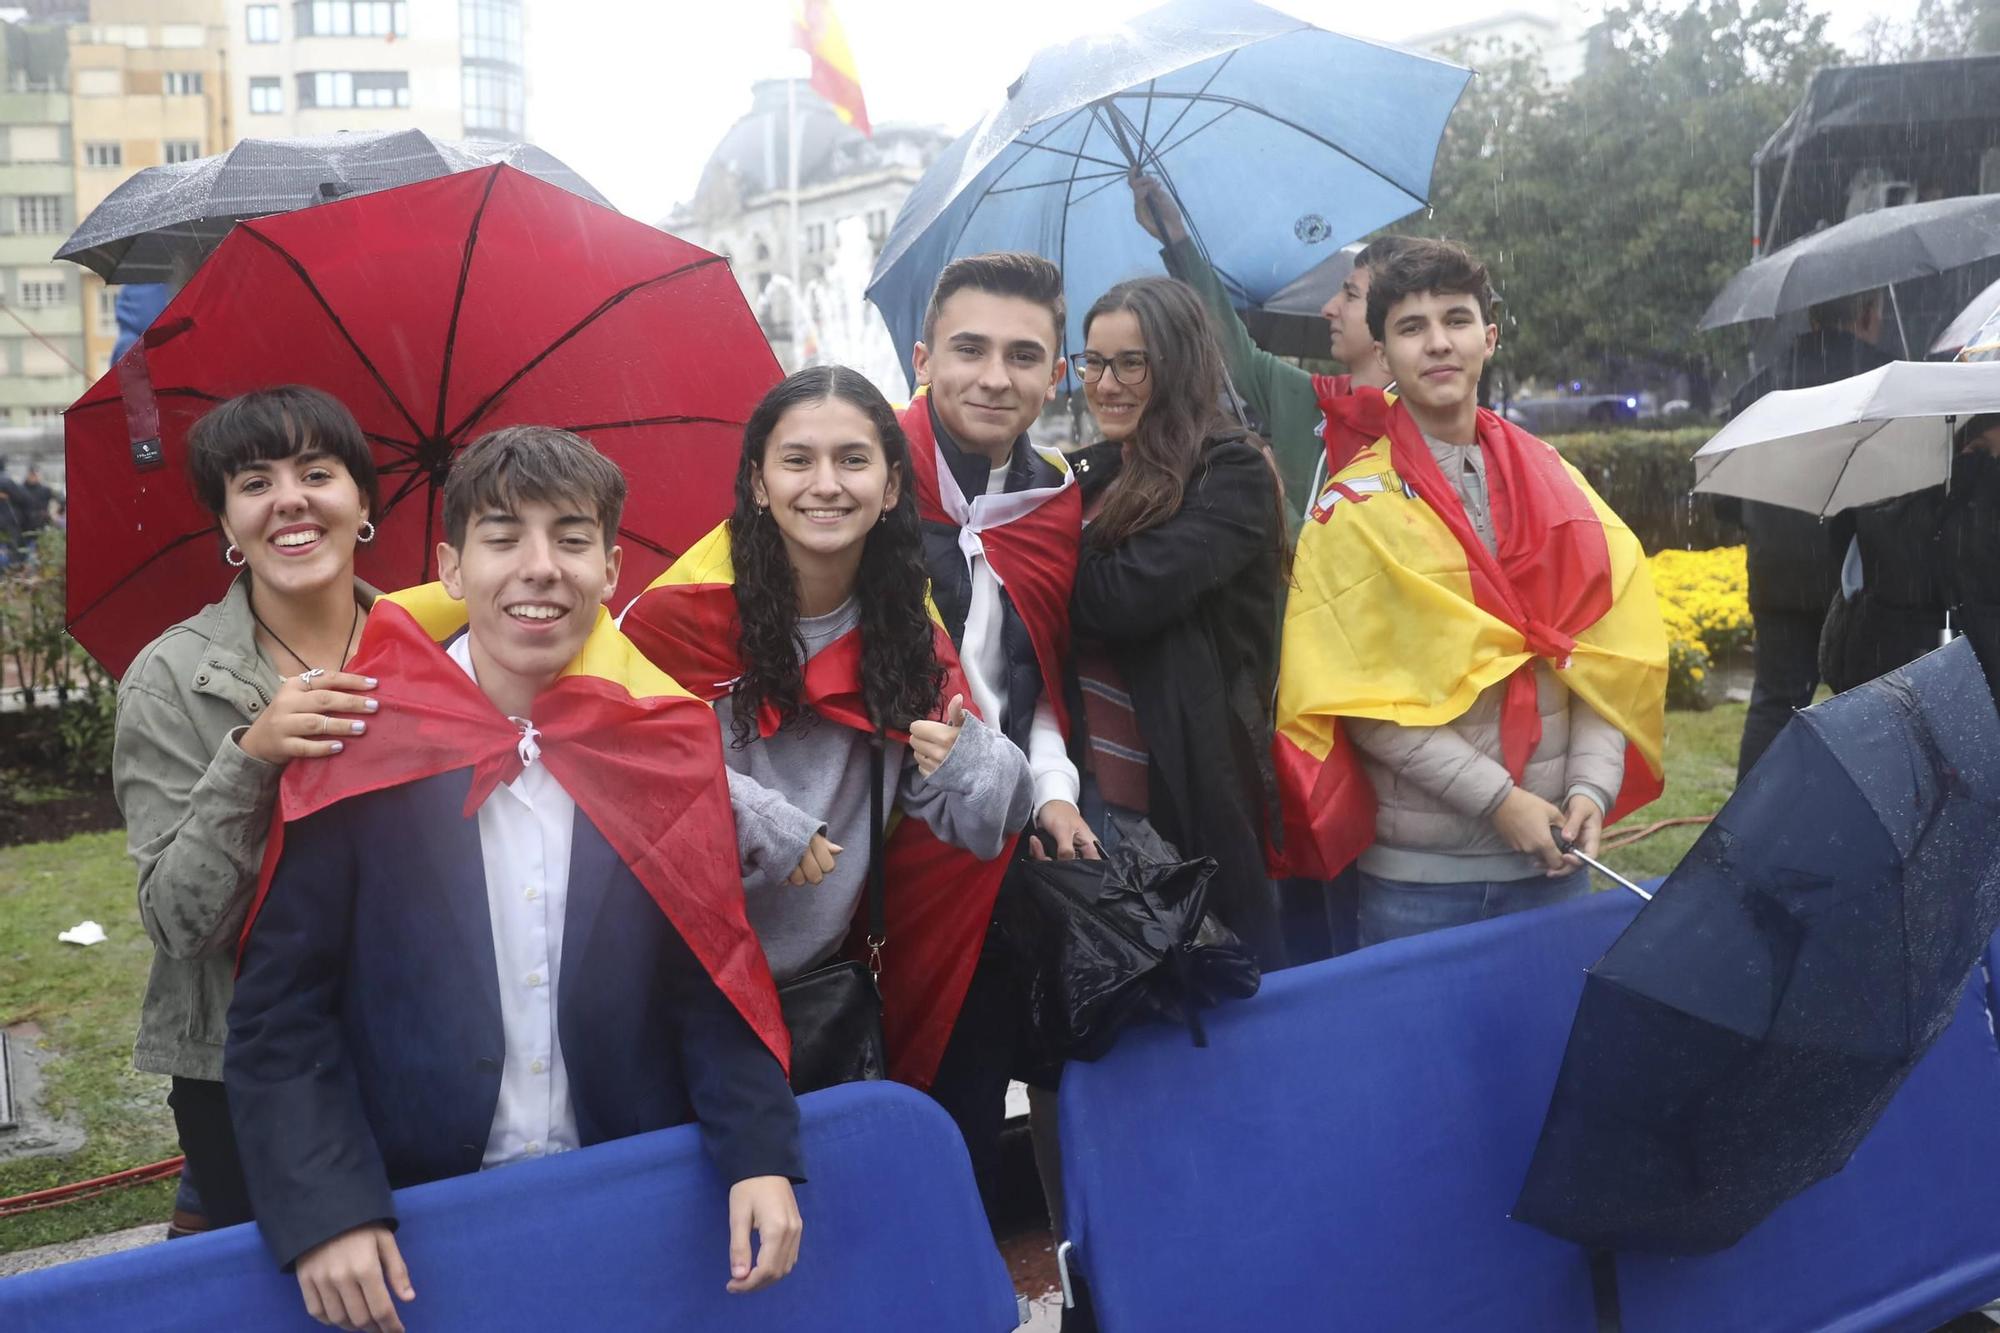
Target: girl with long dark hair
[(1177, 594), (806, 619)]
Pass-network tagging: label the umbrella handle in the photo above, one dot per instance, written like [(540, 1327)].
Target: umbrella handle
[(1569, 848)]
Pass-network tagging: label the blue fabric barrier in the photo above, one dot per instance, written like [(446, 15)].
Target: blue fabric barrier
[(626, 1235), (1344, 1152), (1904, 1237)]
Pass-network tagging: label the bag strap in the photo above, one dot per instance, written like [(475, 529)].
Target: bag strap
[(876, 894)]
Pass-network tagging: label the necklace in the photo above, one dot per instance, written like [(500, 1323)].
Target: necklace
[(303, 664)]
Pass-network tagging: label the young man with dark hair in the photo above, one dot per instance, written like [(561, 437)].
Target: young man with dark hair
[(1003, 524), (514, 926), (1287, 398), (1463, 681)]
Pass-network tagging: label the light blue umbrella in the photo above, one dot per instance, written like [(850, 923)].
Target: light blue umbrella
[(1280, 141)]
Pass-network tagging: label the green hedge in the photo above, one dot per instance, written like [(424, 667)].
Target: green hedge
[(1645, 476)]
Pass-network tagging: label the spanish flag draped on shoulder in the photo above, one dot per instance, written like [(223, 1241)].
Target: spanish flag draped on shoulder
[(937, 898), (1400, 613), (638, 754)]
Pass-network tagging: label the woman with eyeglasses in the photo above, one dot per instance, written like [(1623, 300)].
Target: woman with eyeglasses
[(1176, 606)]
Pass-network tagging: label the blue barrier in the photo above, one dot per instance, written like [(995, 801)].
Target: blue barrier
[(1345, 1151), (627, 1235)]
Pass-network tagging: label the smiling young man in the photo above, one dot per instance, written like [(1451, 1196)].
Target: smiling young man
[(1473, 661), (514, 930), (1003, 525)]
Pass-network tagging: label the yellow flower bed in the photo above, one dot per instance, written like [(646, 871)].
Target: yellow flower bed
[(1705, 603)]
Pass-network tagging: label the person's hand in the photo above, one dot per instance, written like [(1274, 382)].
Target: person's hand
[(931, 741), (347, 1280), (1155, 208), (817, 863), (1528, 824), (303, 720), (1063, 823), (766, 1205), (1583, 826)]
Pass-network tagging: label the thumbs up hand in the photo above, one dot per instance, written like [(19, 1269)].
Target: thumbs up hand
[(931, 742)]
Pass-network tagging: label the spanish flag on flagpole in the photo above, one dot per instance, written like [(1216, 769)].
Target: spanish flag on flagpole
[(937, 898), (1401, 614), (639, 755), (816, 30)]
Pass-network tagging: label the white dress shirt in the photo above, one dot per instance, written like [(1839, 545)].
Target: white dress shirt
[(984, 659), (524, 840)]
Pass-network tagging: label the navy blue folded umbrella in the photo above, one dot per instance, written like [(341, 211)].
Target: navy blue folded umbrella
[(1742, 1036), (1281, 142)]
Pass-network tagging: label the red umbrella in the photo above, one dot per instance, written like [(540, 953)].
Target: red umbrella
[(436, 312)]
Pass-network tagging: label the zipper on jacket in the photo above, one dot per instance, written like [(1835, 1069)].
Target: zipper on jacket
[(262, 694)]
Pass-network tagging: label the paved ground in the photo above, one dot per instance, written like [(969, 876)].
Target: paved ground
[(23, 1261)]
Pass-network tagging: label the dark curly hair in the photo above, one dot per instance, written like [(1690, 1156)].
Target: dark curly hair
[(900, 672)]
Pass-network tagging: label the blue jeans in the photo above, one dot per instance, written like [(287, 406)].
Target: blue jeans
[(1393, 908)]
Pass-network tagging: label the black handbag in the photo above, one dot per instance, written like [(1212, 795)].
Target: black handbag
[(835, 1012)]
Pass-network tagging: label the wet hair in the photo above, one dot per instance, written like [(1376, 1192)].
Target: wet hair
[(1425, 267), (1002, 273), (901, 677), (517, 465), (1973, 428), (1380, 251), (1844, 312), (268, 425), (1182, 413)]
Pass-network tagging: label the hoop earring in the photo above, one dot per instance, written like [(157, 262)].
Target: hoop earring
[(366, 532), (240, 559)]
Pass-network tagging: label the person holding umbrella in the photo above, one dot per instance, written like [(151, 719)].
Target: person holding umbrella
[(211, 713), (1969, 541)]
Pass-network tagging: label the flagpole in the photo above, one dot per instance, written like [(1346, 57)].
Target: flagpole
[(792, 184)]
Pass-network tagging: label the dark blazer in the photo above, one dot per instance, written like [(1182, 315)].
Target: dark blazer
[(1189, 612), (365, 1039)]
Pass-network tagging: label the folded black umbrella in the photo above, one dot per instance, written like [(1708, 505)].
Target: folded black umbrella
[(1105, 944), (162, 222), (1743, 1035)]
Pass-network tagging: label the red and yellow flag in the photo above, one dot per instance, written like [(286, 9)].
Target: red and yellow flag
[(937, 898), (1401, 614), (816, 30), (639, 755)]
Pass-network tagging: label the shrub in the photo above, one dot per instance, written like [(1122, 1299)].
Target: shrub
[(1705, 603), (1645, 475), (70, 733)]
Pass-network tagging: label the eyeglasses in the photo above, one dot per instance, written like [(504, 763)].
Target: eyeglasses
[(1126, 367)]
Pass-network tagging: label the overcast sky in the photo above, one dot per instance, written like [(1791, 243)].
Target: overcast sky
[(634, 94)]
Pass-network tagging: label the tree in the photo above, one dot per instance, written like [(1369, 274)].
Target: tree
[(1939, 30), (1613, 210)]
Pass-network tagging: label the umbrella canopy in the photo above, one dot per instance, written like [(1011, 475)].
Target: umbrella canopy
[(1853, 442), (436, 312), (163, 221), (1741, 1037), (1289, 323), (1280, 142), (1974, 333), (1877, 249)]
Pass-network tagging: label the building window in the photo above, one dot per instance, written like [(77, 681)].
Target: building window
[(39, 359), (35, 143), (100, 82), (180, 150), (267, 97), (815, 238), (45, 416), (181, 36), (344, 88), (182, 83), (104, 154), (351, 18), (490, 30), (261, 23), (38, 214), (494, 101), (42, 294), (878, 224), (107, 312)]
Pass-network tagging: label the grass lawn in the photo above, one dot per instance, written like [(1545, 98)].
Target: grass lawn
[(86, 1001)]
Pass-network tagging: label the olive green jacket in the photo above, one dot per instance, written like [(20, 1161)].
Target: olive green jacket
[(197, 811)]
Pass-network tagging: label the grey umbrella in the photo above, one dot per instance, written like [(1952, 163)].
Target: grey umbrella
[(161, 223), (1878, 249), (1290, 323)]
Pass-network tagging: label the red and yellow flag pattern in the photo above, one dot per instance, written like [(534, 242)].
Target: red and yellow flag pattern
[(639, 755), (1400, 613), (937, 898), (816, 30)]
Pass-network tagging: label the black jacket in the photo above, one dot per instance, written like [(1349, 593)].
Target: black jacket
[(365, 1036), (1898, 614), (1969, 555), (1189, 612)]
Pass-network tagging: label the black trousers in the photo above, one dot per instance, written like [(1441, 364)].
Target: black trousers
[(1786, 675), (201, 1116), (980, 1058)]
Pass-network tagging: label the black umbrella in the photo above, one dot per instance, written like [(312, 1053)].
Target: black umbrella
[(1878, 249), (163, 221), (1290, 323), (1741, 1037)]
